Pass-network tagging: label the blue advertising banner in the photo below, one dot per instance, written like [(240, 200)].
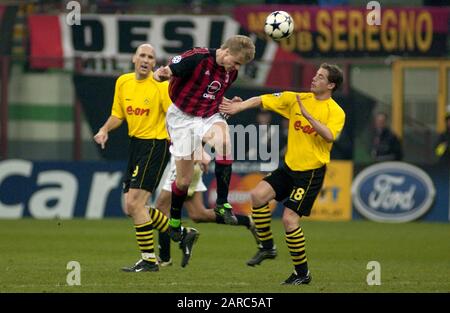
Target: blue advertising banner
[(60, 189), (401, 192), (93, 190)]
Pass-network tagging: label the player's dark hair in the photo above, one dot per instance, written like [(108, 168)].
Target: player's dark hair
[(335, 74)]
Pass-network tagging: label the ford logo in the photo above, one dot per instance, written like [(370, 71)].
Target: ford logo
[(393, 192)]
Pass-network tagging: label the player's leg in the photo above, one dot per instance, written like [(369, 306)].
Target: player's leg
[(198, 213), (148, 158), (161, 222), (184, 172), (277, 185), (124, 205), (305, 188), (196, 208), (126, 185), (185, 133), (295, 241), (135, 204), (262, 217), (160, 215), (218, 137)]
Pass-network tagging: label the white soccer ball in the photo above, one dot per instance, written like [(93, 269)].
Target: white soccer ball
[(279, 25)]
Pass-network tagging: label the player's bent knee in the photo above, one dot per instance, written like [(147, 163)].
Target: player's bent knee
[(183, 184), (257, 198), (290, 221), (132, 206)]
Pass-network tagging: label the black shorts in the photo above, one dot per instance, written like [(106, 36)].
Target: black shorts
[(146, 163), (297, 190)]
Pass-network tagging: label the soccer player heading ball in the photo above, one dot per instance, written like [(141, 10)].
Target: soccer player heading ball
[(198, 81)]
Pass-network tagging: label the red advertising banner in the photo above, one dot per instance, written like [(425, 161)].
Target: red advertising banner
[(45, 41), (356, 32)]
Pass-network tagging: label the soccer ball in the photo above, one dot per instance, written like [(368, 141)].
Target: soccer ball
[(279, 25)]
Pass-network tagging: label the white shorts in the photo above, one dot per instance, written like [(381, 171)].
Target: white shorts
[(187, 131), (169, 175)]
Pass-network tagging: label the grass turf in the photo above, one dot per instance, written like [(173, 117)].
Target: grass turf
[(414, 257)]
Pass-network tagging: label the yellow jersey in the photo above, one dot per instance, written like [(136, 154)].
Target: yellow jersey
[(143, 104), (306, 150)]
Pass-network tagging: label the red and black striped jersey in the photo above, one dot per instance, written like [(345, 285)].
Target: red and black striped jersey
[(198, 83)]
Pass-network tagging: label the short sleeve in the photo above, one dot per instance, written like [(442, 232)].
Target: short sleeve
[(182, 66), (336, 121), (279, 102), (117, 109)]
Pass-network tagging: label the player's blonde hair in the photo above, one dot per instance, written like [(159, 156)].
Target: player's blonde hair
[(240, 45)]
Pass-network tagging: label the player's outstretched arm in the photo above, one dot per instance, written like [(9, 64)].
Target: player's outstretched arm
[(320, 128), (101, 137), (233, 107)]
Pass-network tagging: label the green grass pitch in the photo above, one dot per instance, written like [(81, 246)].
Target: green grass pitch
[(414, 257)]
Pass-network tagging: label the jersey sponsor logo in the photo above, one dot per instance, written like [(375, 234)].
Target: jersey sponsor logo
[(137, 111), (176, 59), (393, 192), (277, 94), (307, 129), (212, 89), (207, 73)]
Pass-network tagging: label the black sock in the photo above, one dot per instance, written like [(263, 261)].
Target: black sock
[(219, 219), (243, 220), (223, 177), (164, 246)]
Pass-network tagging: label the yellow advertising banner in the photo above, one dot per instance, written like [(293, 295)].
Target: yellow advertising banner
[(349, 31), (334, 201)]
